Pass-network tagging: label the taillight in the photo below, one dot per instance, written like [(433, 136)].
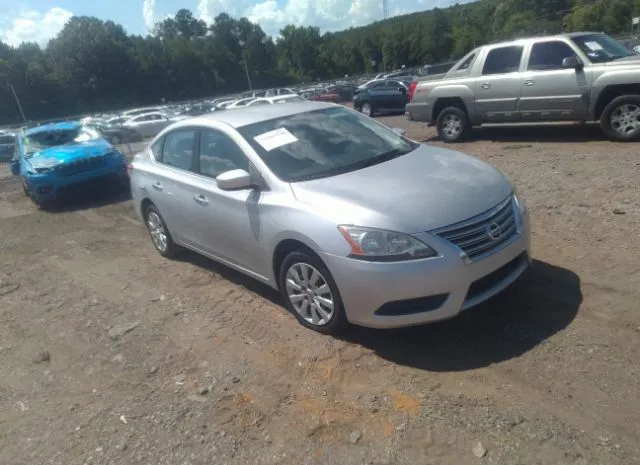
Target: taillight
[(412, 89)]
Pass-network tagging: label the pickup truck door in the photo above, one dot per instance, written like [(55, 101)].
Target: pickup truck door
[(498, 87), (551, 92)]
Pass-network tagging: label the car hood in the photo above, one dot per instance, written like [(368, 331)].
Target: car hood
[(631, 60), (426, 189), (68, 153)]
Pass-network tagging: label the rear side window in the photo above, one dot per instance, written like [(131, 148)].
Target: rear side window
[(503, 60), (466, 63), (179, 148), (156, 148)]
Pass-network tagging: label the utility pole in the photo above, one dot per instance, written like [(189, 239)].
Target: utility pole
[(246, 70), (385, 9), (15, 95)]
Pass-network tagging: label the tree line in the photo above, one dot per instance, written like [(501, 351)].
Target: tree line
[(94, 65)]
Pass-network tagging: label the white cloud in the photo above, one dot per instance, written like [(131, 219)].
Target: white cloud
[(149, 13), (33, 26), (328, 15)]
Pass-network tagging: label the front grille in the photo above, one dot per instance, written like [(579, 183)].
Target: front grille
[(484, 233), (80, 166)]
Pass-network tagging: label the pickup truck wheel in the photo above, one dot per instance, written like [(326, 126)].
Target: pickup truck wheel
[(453, 124), (620, 119)]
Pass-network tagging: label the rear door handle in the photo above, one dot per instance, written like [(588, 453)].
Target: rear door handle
[(201, 199), (157, 186), (485, 85), (529, 82)]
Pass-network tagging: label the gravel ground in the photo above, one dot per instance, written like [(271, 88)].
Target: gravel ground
[(113, 355)]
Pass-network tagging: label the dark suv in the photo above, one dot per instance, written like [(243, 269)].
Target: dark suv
[(381, 96)]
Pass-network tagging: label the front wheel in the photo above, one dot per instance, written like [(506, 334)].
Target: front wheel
[(453, 125), (311, 294), (367, 109), (620, 119)]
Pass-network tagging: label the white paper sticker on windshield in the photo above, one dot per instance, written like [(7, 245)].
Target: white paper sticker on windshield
[(595, 46), (276, 138)]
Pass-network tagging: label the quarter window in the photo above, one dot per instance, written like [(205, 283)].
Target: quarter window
[(178, 149), (547, 56), (466, 63), (503, 60), (218, 154)]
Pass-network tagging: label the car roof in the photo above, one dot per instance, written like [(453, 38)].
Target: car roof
[(63, 126), (257, 114)]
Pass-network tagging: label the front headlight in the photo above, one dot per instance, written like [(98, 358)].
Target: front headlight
[(377, 245)]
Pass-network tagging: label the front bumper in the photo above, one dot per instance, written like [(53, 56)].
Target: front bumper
[(389, 295), (48, 186)]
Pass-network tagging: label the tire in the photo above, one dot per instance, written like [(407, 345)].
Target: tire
[(367, 109), (620, 119), (324, 287), (453, 125), (156, 225)]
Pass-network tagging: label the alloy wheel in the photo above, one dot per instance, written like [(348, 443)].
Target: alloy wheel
[(451, 125), (157, 231), (309, 293), (625, 119)]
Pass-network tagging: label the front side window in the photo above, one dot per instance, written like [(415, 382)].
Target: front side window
[(218, 154), (178, 149), (601, 48), (546, 56), (323, 143), (503, 60), (35, 142)]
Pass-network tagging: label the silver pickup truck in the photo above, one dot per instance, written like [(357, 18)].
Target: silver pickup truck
[(584, 76)]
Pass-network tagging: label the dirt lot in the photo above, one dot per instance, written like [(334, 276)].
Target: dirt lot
[(112, 355)]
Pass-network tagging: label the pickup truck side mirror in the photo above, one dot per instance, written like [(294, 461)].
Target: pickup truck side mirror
[(572, 62)]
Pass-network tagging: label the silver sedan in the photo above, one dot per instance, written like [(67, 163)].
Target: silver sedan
[(351, 221)]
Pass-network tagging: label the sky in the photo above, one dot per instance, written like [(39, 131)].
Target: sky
[(40, 20)]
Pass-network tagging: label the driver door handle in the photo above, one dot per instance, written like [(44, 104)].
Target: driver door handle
[(157, 186), (529, 82), (485, 85), (201, 199)]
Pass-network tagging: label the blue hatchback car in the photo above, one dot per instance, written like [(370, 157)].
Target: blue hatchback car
[(54, 158)]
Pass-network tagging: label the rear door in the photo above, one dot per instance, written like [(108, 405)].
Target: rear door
[(498, 88), (168, 183), (397, 95)]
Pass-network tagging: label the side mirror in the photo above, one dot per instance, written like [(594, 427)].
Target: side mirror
[(572, 62), (399, 131), (15, 166), (234, 180)]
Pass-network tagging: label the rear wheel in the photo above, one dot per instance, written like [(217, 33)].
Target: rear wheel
[(159, 233), (311, 293), (453, 125), (620, 119)]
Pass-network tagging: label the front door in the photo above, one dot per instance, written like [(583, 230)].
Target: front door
[(498, 89), (551, 92), (229, 225)]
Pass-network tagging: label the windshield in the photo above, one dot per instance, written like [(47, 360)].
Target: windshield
[(38, 141), (323, 143), (601, 48)]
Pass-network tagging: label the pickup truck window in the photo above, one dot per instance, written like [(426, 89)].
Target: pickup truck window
[(466, 63), (502, 60), (546, 56)]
